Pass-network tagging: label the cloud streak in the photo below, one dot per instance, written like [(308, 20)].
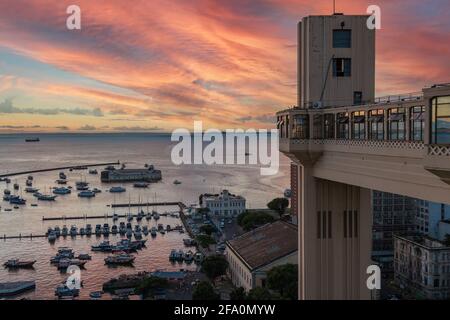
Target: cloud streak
[(228, 63)]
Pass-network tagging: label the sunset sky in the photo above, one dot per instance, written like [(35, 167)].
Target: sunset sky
[(156, 65)]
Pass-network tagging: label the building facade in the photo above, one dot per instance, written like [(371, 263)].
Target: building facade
[(346, 143), (392, 214), (129, 175), (432, 219), (422, 265), (251, 255), (224, 204), (336, 61)]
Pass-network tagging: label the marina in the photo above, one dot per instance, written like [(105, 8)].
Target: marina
[(25, 231)]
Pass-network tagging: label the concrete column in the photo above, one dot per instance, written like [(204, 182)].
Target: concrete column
[(335, 223), (386, 125), (408, 124)]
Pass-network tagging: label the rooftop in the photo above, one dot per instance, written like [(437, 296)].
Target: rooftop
[(265, 244)]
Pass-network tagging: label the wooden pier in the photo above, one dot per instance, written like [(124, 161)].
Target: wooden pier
[(150, 204), (58, 168), (23, 236), (121, 205)]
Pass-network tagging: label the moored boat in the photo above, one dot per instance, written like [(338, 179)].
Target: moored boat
[(105, 246), (62, 190), (117, 189), (9, 289), (63, 291), (86, 194), (17, 200), (16, 264), (84, 256), (45, 197), (120, 259)]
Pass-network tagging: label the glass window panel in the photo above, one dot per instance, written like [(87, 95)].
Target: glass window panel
[(342, 38), (445, 99), (443, 110)]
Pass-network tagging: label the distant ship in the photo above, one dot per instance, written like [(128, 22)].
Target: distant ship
[(32, 139)]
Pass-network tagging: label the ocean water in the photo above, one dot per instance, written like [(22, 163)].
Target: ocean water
[(134, 149)]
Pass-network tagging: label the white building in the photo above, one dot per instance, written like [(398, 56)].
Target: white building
[(422, 265), (223, 204), (251, 255)]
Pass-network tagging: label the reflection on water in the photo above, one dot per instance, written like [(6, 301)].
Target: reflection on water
[(135, 150)]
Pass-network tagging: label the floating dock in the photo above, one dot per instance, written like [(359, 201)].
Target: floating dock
[(6, 175), (121, 205)]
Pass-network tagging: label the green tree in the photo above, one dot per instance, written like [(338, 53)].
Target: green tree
[(207, 229), (238, 294), (279, 205), (252, 220), (204, 291), (447, 240), (214, 266), (284, 280), (259, 293), (150, 284), (205, 240)]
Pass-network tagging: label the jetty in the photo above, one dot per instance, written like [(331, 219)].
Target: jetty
[(121, 205), (18, 173), (150, 204)]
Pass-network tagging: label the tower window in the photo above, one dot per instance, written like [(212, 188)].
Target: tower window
[(342, 67), (342, 38)]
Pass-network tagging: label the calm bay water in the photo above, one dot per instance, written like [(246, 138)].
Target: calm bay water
[(135, 149)]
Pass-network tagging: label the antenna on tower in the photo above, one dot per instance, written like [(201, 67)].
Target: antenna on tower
[(334, 6)]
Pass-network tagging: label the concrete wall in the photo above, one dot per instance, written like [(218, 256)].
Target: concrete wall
[(315, 37)]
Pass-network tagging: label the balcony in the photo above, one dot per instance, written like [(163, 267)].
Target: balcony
[(405, 139)]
